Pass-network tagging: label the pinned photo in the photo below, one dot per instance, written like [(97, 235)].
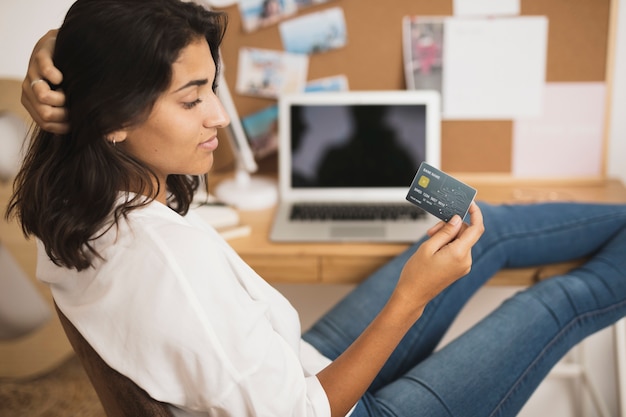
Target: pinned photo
[(423, 51), (269, 73), (261, 127), (333, 83), (315, 32), (306, 3), (256, 14)]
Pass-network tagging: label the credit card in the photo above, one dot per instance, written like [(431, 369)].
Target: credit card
[(440, 194)]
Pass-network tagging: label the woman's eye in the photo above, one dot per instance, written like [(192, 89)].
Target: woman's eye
[(192, 104)]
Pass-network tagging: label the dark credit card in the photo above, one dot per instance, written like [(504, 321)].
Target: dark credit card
[(440, 194)]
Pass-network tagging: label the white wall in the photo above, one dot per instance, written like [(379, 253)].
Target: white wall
[(22, 23)]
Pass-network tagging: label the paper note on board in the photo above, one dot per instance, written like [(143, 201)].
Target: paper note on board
[(566, 141), (494, 68), (486, 7)]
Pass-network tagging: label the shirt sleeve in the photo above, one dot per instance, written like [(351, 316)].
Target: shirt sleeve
[(189, 329)]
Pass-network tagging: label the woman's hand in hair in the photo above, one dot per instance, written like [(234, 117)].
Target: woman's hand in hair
[(45, 104)]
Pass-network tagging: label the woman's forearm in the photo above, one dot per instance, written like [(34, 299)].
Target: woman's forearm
[(348, 377), (436, 264)]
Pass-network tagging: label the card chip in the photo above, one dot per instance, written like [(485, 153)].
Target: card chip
[(423, 181)]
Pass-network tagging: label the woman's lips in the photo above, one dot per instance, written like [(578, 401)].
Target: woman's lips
[(209, 145)]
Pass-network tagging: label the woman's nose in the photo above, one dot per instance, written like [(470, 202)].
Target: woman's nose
[(216, 114)]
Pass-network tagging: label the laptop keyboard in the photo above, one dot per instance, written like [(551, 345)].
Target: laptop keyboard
[(350, 211)]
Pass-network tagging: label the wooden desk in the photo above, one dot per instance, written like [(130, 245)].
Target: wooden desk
[(351, 262)]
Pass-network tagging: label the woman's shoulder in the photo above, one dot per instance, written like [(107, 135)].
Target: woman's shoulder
[(157, 227)]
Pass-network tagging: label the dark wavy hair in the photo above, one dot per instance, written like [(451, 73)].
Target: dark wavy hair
[(116, 57)]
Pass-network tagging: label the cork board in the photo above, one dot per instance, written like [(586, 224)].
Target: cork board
[(578, 44)]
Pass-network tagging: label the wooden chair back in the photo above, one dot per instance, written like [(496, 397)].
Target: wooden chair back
[(120, 397)]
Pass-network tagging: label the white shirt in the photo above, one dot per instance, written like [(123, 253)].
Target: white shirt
[(175, 309)]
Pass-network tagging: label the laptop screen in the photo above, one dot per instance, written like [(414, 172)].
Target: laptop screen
[(356, 145)]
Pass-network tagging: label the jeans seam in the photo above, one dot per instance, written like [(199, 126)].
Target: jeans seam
[(384, 405), (566, 330)]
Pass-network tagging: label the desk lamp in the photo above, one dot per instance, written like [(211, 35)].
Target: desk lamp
[(245, 191)]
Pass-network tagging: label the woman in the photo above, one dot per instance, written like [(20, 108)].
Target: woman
[(165, 301)]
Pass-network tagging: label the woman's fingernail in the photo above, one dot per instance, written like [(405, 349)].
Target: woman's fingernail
[(455, 220)]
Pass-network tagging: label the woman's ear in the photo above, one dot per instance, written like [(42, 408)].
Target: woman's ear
[(117, 136)]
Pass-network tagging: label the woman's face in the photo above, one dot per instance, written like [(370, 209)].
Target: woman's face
[(180, 134)]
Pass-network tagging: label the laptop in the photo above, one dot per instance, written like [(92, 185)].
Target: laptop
[(346, 162)]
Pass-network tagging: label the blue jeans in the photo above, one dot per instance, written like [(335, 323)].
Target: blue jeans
[(494, 367)]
